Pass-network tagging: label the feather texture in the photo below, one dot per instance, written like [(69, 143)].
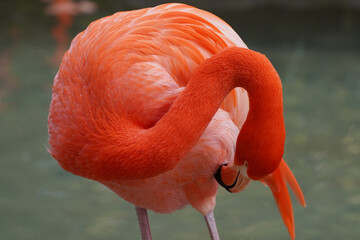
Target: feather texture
[(135, 64)]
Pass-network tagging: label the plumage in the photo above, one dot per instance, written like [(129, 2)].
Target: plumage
[(136, 65), (123, 113)]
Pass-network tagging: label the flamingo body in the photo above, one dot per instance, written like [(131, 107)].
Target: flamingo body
[(120, 80), (143, 62)]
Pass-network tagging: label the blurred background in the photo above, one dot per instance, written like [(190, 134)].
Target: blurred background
[(315, 47)]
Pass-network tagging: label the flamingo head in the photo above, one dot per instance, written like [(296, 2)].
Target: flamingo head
[(256, 156), (261, 159), (232, 177)]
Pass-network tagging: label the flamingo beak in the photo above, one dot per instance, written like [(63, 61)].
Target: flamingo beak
[(232, 177)]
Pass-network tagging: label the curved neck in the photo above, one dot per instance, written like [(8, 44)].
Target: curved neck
[(140, 153), (182, 126)]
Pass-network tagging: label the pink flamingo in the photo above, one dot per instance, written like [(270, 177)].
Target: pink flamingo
[(151, 103), (8, 79), (64, 11)]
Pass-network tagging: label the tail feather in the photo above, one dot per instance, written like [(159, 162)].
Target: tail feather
[(291, 180), (277, 183)]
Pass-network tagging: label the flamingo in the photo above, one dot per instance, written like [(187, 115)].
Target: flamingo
[(8, 79), (64, 11), (162, 105)]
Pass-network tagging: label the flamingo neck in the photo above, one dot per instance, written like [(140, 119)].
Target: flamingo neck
[(182, 126), (127, 151)]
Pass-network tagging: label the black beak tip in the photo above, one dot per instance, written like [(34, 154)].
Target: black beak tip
[(217, 176)]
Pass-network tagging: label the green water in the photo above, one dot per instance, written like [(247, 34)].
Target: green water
[(317, 54)]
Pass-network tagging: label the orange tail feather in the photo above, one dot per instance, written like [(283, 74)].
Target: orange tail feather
[(277, 183), (291, 180)]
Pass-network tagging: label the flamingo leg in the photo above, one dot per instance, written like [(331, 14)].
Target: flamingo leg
[(210, 222), (143, 223)]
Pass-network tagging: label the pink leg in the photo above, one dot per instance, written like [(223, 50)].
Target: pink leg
[(143, 223), (210, 222)]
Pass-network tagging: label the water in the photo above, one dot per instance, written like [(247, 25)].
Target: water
[(317, 54)]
